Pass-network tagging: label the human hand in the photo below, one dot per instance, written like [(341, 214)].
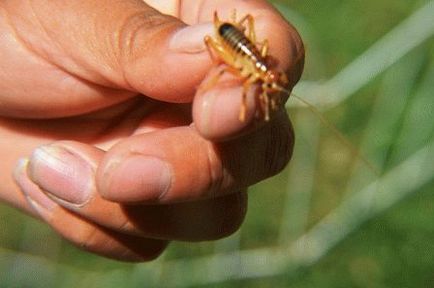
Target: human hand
[(135, 173)]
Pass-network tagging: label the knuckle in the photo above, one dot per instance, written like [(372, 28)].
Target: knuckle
[(136, 32), (135, 43)]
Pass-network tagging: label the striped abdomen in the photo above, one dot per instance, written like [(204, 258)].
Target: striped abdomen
[(241, 45)]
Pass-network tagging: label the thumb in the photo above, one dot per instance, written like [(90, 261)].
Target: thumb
[(125, 44)]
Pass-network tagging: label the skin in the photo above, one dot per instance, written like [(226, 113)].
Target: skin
[(148, 159)]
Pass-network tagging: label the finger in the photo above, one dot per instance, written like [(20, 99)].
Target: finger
[(103, 129), (97, 54), (216, 109), (177, 164), (85, 234), (65, 171)]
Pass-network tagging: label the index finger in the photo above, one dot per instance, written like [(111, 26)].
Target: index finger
[(216, 108)]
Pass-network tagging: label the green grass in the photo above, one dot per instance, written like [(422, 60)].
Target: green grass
[(389, 120)]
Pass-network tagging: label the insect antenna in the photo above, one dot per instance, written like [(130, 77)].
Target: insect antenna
[(356, 153)]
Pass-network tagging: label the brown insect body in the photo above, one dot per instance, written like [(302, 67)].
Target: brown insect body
[(244, 59), (238, 44)]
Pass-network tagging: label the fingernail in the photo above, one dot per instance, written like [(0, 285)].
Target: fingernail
[(138, 178), (38, 200), (61, 173), (191, 38)]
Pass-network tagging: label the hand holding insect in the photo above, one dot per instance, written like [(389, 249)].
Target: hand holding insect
[(120, 84)]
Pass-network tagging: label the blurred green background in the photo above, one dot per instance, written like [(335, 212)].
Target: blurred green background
[(328, 220)]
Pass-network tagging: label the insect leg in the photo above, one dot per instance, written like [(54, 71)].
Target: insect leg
[(252, 34), (264, 48), (216, 20), (211, 82), (264, 100), (243, 108), (274, 101), (213, 46), (218, 54), (251, 26), (246, 86)]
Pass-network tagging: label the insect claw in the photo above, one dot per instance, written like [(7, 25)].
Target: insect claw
[(216, 18)]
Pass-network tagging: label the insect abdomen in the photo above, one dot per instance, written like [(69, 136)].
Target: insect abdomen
[(237, 40)]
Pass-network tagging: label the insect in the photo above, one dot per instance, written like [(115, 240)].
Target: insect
[(235, 45)]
